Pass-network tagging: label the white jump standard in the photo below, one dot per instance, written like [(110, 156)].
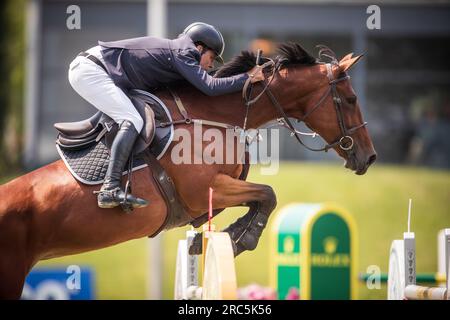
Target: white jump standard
[(219, 275), (402, 270), (217, 265)]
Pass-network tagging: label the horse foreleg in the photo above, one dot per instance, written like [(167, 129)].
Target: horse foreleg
[(261, 200), (246, 230)]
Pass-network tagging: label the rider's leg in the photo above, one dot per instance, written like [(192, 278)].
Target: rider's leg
[(95, 85), (92, 83), (111, 194)]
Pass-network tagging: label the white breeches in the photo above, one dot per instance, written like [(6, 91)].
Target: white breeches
[(91, 82)]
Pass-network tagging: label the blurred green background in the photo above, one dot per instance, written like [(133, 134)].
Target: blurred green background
[(12, 69), (378, 201)]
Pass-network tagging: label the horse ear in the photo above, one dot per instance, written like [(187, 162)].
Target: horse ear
[(346, 57), (347, 64)]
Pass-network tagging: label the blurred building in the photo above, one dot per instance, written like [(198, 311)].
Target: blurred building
[(405, 60)]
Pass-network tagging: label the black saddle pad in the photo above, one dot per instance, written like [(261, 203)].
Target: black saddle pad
[(88, 165)]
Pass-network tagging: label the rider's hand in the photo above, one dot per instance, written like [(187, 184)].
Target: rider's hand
[(256, 74)]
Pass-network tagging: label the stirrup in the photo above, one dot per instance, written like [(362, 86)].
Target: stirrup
[(126, 206), (107, 192), (111, 194)]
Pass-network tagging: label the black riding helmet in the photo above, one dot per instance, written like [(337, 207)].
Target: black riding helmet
[(207, 35)]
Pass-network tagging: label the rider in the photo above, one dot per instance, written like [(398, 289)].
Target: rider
[(103, 74)]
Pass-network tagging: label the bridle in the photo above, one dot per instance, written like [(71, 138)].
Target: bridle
[(345, 141)]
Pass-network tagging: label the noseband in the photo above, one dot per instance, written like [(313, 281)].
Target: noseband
[(345, 141)]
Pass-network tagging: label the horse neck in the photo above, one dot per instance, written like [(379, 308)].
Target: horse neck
[(296, 88), (291, 88), (229, 108)]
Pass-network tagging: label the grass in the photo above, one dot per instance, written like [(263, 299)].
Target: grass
[(377, 200)]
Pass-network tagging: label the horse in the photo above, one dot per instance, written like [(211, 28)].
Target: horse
[(46, 213)]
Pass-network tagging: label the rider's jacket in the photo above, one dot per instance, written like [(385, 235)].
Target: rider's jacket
[(148, 63)]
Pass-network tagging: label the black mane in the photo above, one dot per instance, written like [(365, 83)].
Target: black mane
[(294, 53), (289, 53)]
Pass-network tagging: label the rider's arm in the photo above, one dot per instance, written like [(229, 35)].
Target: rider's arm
[(186, 64)]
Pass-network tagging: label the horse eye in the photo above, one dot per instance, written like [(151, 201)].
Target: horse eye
[(351, 100)]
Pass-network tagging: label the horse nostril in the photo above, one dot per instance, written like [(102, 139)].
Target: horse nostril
[(371, 159)]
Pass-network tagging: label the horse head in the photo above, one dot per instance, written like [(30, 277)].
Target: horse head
[(321, 95)]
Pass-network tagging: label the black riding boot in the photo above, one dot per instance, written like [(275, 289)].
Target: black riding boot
[(111, 194)]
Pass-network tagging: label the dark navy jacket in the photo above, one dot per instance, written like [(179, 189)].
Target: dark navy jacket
[(148, 62)]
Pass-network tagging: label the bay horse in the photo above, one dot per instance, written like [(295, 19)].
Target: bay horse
[(46, 213)]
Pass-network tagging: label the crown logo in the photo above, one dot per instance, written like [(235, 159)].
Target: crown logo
[(330, 244), (288, 244)]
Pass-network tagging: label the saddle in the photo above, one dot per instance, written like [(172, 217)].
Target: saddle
[(83, 134)]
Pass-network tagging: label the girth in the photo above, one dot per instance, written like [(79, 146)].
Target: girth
[(176, 213)]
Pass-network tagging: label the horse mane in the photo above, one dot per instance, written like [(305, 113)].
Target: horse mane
[(289, 53)]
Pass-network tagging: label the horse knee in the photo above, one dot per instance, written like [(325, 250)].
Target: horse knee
[(270, 200)]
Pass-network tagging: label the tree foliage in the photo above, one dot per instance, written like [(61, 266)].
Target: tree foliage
[(12, 72)]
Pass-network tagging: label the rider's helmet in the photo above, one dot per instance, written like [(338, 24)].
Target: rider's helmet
[(208, 36)]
